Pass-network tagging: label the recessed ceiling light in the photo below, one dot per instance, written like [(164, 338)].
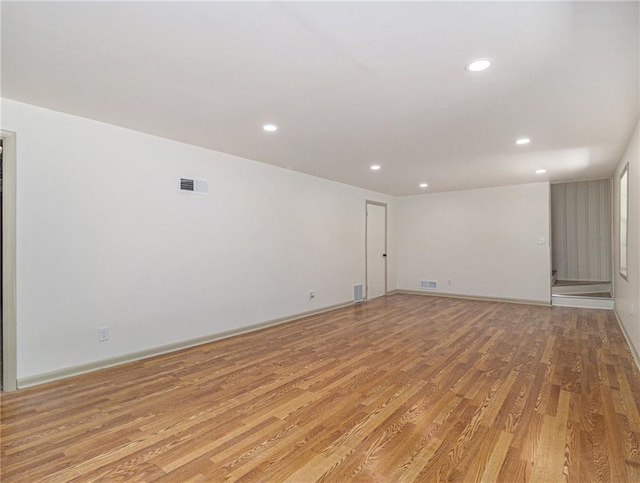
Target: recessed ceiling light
[(423, 185), (478, 65), (522, 141), (270, 127), (541, 171), (375, 167)]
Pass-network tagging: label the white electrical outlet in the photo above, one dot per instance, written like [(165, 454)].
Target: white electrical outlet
[(103, 333), (312, 294), (449, 283)]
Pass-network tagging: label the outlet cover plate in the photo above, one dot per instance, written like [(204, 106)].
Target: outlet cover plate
[(103, 334)]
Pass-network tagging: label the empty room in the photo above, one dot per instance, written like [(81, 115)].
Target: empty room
[(320, 241)]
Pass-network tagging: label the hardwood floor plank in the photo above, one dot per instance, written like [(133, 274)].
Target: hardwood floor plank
[(549, 464), (496, 458), (401, 388)]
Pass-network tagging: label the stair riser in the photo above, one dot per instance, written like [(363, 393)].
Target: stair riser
[(593, 303), (591, 288)]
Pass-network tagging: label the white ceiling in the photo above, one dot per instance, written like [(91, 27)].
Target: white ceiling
[(348, 84)]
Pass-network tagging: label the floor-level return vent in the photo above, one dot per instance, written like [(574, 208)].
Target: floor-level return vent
[(428, 285)]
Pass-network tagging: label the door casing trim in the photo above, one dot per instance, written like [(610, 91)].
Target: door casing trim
[(9, 306)]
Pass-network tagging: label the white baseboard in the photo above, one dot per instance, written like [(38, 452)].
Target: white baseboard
[(632, 349), (66, 372), (475, 297), (135, 356)]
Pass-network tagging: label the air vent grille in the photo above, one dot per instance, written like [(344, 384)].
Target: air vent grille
[(428, 285), (186, 184), (191, 185)]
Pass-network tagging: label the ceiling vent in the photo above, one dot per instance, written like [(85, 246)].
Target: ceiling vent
[(428, 285), (191, 185)]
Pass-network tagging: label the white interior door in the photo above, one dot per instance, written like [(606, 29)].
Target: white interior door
[(376, 250)]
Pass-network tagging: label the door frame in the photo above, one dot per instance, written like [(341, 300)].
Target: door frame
[(366, 244), (9, 322)]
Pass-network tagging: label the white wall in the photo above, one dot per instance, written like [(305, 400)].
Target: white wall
[(105, 238), (484, 241), (581, 230), (627, 292)]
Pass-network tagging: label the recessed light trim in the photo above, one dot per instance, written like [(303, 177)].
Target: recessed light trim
[(478, 65), (523, 141), (375, 167), (541, 171), (423, 185), (270, 127)]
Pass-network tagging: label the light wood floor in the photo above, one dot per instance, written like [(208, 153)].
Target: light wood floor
[(402, 388)]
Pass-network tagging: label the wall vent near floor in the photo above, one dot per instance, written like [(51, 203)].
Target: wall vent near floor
[(191, 185), (357, 293), (428, 285)]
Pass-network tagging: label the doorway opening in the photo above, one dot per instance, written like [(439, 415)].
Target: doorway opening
[(582, 255)]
